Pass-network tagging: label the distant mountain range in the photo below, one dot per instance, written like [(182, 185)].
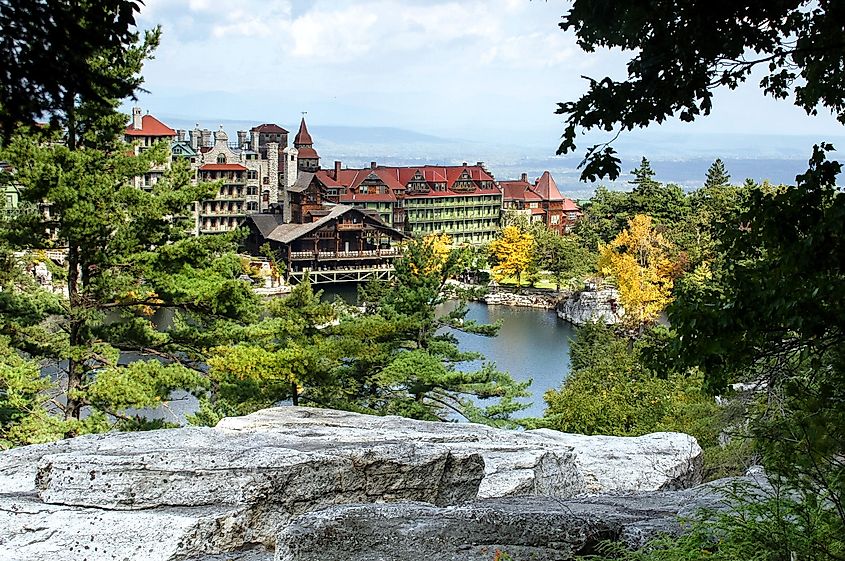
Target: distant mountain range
[(676, 158)]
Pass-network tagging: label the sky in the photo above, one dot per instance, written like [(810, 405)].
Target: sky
[(482, 70)]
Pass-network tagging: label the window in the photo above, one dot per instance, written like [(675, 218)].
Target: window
[(221, 158), (252, 174), (251, 190), (555, 219)]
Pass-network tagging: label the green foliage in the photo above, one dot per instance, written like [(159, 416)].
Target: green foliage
[(717, 175), (612, 390), (284, 356), (400, 358), (131, 265), (675, 63), (761, 523), (55, 53), (563, 256)]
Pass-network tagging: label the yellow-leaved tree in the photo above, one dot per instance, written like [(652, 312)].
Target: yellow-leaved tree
[(440, 248), (638, 258), (512, 253)]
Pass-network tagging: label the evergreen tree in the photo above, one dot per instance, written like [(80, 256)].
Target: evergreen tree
[(130, 259), (400, 357), (717, 175), (643, 175)]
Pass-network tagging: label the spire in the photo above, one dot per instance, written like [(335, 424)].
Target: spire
[(302, 137)]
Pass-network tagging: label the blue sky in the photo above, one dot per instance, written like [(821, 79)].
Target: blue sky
[(486, 70)]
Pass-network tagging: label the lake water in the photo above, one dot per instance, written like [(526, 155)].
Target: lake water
[(533, 344)]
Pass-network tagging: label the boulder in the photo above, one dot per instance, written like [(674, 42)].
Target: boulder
[(226, 492), (592, 305)]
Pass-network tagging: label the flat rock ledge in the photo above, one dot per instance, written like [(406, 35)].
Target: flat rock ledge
[(525, 298), (229, 492)]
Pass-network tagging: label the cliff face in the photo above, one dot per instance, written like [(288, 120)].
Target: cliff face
[(236, 491), (592, 305)]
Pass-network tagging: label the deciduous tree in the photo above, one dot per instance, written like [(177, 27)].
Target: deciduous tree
[(512, 254), (638, 259)]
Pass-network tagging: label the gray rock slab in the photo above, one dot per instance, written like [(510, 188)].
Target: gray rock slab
[(527, 528), (224, 493)]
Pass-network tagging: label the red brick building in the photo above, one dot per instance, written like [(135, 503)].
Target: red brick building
[(541, 202)]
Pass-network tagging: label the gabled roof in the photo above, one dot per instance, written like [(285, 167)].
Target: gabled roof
[(269, 128), (222, 167), (150, 126), (514, 190), (398, 179), (302, 137), (286, 233), (303, 180), (266, 223)]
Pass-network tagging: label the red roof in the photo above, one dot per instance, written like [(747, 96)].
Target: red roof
[(547, 188), (570, 206), (150, 126), (302, 137), (222, 167), (269, 128), (440, 180), (307, 153)]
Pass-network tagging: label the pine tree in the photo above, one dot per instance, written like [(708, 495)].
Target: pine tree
[(402, 358), (717, 175), (643, 175), (130, 260)]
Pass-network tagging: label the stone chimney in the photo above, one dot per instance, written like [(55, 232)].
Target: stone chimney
[(336, 169), (180, 134), (206, 138), (242, 136), (373, 165), (464, 164), (137, 121), (254, 144), (524, 177)]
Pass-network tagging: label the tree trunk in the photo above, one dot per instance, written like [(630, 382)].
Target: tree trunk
[(294, 395), (74, 368)]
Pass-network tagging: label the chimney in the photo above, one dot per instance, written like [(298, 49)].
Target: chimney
[(480, 164), (206, 137), (180, 134), (241, 139), (195, 137), (524, 177), (254, 146), (137, 122), (373, 165), (336, 169), (464, 164)]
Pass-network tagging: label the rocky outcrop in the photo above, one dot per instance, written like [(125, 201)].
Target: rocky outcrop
[(592, 305), (527, 298), (524, 527), (227, 492)]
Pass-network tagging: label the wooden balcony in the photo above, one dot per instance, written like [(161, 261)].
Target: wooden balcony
[(343, 255)]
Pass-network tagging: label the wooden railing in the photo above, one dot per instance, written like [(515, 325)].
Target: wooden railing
[(374, 253)]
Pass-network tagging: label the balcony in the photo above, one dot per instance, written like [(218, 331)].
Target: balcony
[(336, 255), (345, 227)]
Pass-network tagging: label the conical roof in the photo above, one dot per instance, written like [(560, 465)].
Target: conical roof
[(547, 188), (302, 137)]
